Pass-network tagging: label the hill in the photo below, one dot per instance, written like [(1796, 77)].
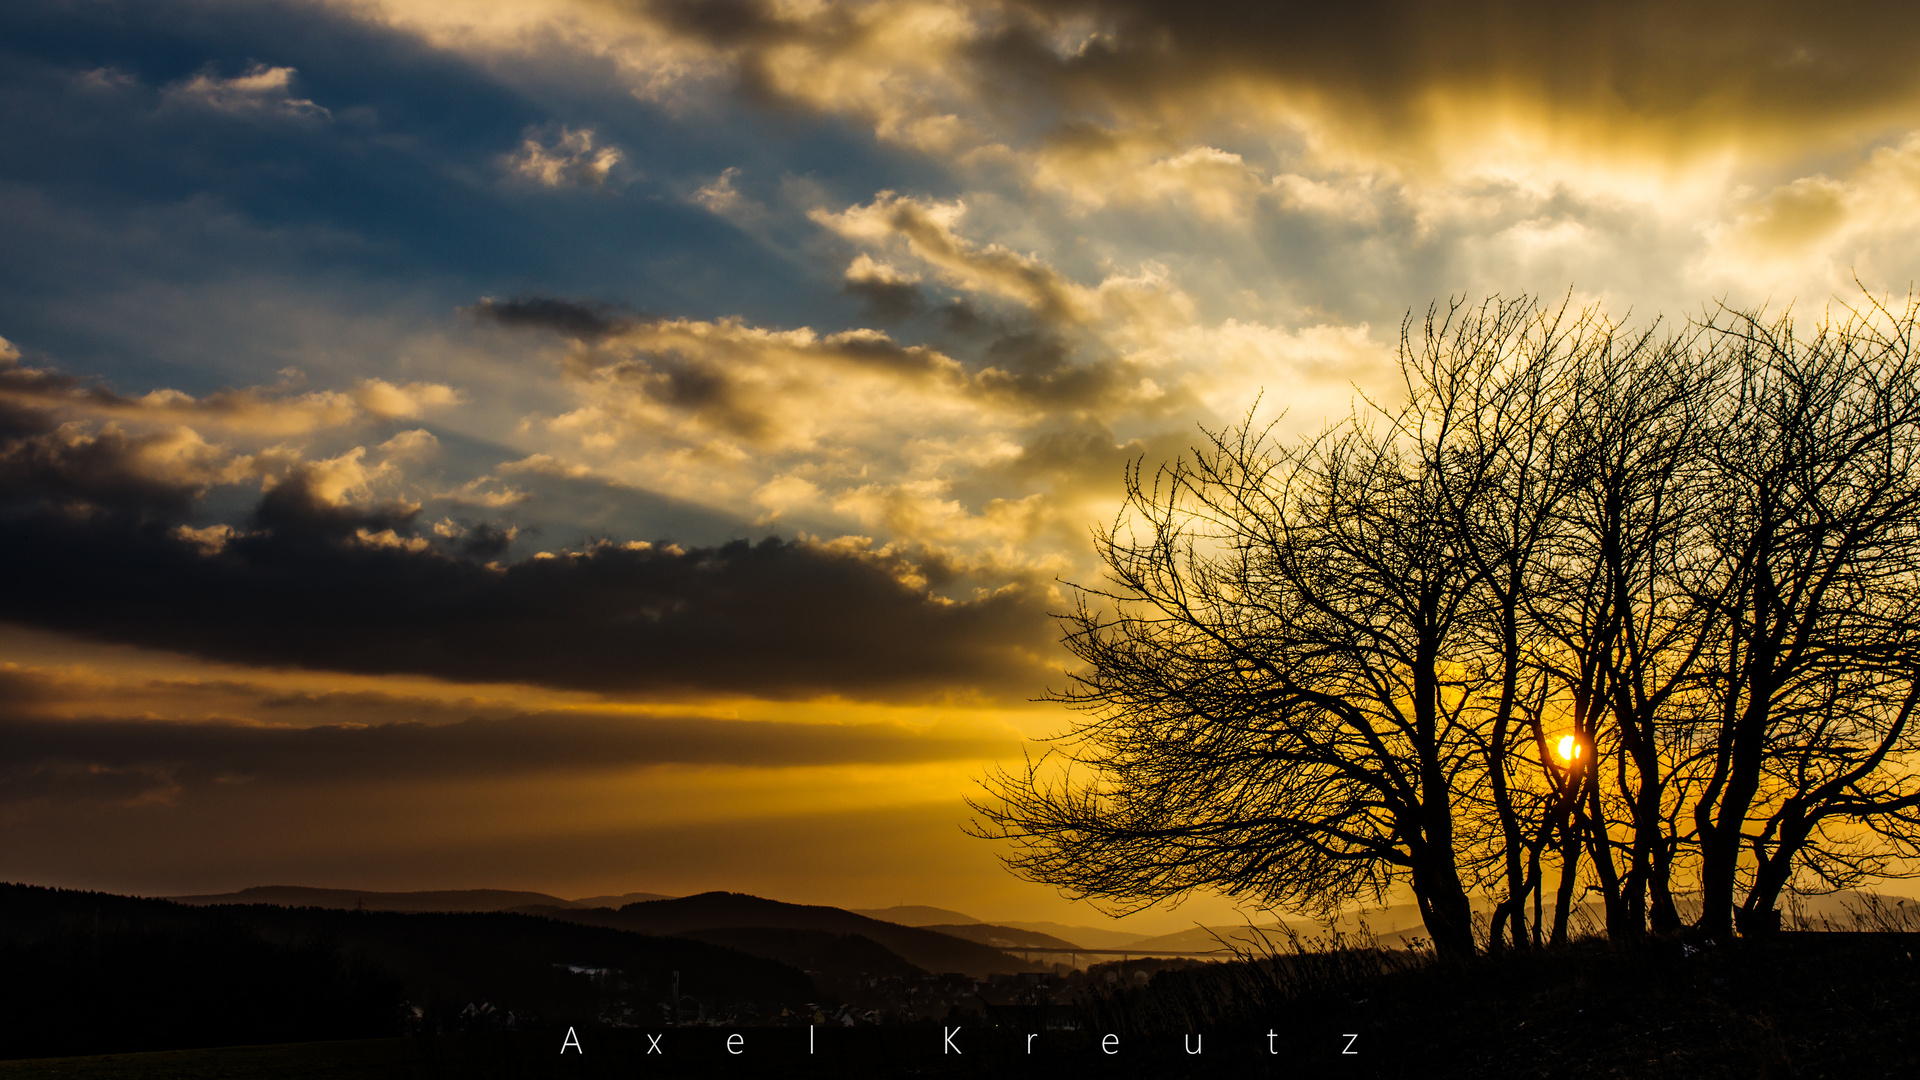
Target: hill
[(915, 915), (1050, 934), (1207, 939), (819, 953), (1003, 937), (925, 949), (95, 973), (350, 899), (619, 901), (1087, 936), (372, 900)]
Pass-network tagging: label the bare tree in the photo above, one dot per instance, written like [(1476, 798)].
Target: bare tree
[(1815, 631), (1646, 605), (1490, 393), (1286, 681), (1616, 609)]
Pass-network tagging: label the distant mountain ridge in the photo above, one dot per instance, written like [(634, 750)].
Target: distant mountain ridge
[(921, 915), (915, 915), (926, 949), (1088, 937), (90, 972), (443, 900), (1003, 937), (619, 901)]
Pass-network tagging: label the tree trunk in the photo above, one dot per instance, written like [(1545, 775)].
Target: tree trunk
[(1760, 913), (1539, 886), (1720, 847), (1444, 906), (1619, 922), (1648, 835), (1569, 876), (1662, 914)]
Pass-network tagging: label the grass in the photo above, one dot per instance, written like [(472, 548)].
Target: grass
[(1796, 1005), (355, 1059), (1808, 1004)]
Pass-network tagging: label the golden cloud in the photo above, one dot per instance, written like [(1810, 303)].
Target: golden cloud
[(1410, 81), (257, 410), (572, 160)]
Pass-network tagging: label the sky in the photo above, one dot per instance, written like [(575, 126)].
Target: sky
[(596, 446)]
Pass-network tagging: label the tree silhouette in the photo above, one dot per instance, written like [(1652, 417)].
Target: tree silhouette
[(1323, 665), (1815, 633)]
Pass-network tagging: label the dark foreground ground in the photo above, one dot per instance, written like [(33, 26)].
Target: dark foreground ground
[(1802, 1005)]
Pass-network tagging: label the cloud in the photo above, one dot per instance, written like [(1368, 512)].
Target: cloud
[(105, 79), (720, 196), (486, 491), (48, 460), (260, 90), (107, 759), (160, 472), (330, 483), (1704, 71), (927, 230), (1338, 165), (1094, 165), (890, 294), (572, 318), (760, 386), (483, 541), (572, 160), (547, 465), (383, 400), (270, 411), (854, 409), (316, 582), (419, 442), (157, 474), (1405, 80)]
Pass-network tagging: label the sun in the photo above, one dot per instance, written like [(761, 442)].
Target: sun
[(1568, 748)]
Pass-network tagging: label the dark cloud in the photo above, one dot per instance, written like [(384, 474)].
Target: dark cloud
[(603, 507), (1038, 368), (734, 23), (1020, 358), (885, 300), (693, 384), (67, 466), (365, 706), (485, 542), (1671, 69), (874, 349), (694, 366), (239, 835), (22, 689), (964, 319), (70, 781), (1084, 455), (305, 588), (1029, 352), (293, 513), (571, 318), (1773, 63), (23, 387), (47, 694), (114, 760)]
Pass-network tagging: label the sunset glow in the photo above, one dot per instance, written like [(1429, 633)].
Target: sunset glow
[(602, 447), (1568, 748)]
